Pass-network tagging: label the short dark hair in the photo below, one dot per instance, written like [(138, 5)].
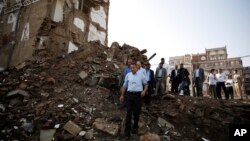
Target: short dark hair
[(212, 70), (162, 58), (133, 63)]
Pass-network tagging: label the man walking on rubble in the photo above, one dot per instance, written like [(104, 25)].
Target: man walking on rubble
[(174, 80), (166, 66), (160, 79), (150, 80), (184, 80), (134, 83), (125, 71)]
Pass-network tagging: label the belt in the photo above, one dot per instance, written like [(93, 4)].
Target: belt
[(134, 92)]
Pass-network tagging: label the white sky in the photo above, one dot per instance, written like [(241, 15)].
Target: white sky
[(178, 27)]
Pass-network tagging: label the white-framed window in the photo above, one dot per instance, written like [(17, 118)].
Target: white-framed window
[(232, 63), (213, 57)]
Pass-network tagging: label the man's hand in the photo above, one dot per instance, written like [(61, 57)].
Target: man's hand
[(121, 98), (143, 93)]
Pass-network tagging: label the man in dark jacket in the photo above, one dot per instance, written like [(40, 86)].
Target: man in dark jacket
[(150, 79), (174, 80), (160, 79), (184, 80)]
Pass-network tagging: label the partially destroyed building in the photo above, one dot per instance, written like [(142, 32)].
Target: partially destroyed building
[(62, 26)]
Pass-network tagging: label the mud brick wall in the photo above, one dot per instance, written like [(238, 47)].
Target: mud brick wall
[(62, 26)]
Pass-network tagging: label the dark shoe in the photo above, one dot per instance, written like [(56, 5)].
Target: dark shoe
[(127, 135), (134, 131)]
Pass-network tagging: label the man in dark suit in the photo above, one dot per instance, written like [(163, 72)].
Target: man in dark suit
[(150, 78), (174, 80), (184, 81), (198, 79)]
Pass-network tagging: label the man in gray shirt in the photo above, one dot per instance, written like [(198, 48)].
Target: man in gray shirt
[(134, 83)]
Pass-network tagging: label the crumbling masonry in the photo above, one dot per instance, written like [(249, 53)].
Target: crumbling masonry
[(60, 25)]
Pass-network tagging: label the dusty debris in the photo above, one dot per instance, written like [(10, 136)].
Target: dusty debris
[(51, 80), (89, 135), (204, 139), (28, 127), (18, 91), (72, 128), (2, 107), (20, 66), (106, 127), (83, 74), (82, 133), (150, 137), (23, 86), (47, 135), (57, 126), (163, 123)]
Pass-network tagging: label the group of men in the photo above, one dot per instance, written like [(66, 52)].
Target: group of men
[(139, 82), (218, 80)]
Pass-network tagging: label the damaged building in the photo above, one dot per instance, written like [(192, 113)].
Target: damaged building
[(62, 26)]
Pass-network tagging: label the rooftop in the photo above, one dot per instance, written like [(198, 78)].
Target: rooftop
[(218, 48)]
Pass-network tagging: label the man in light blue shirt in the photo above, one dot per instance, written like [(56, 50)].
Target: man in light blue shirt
[(136, 85)]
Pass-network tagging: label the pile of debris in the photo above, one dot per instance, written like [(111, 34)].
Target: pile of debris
[(65, 96), (76, 97)]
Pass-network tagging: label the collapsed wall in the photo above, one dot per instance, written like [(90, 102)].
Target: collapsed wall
[(61, 26)]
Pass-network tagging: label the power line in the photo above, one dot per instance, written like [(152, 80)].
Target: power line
[(245, 56)]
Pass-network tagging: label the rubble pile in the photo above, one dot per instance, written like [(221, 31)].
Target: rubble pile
[(188, 118), (65, 96), (76, 97)]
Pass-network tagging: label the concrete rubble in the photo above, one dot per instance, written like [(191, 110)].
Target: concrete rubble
[(62, 83), (104, 126)]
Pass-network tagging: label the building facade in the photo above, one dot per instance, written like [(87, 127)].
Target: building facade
[(60, 25), (246, 80)]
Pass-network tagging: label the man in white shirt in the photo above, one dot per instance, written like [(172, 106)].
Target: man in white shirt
[(229, 86), (212, 84), (198, 79), (221, 79)]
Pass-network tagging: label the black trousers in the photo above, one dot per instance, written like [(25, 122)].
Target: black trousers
[(133, 103), (230, 92), (198, 85), (148, 96), (222, 85), (174, 86)]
